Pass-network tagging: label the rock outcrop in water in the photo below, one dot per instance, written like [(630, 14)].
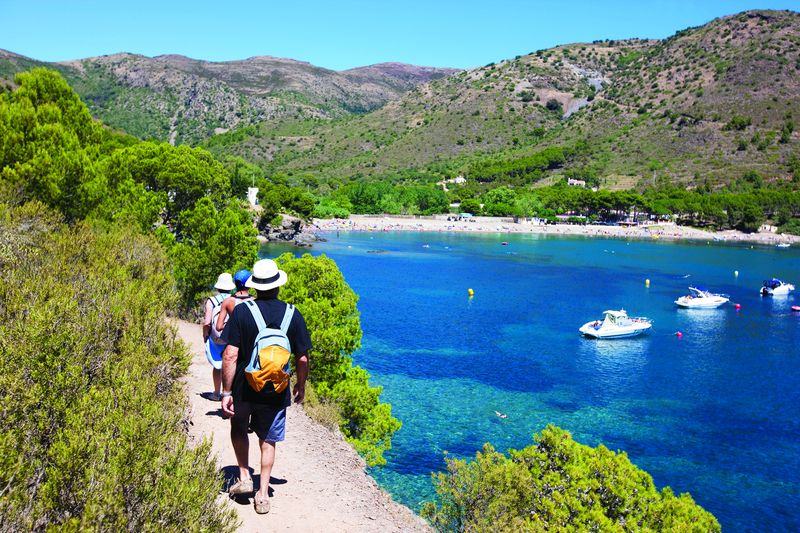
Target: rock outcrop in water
[(290, 230)]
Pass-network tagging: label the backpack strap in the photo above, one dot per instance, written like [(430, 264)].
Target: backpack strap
[(217, 300), (287, 318), (257, 316)]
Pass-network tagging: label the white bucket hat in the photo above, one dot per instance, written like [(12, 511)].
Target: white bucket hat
[(266, 276), (225, 282)]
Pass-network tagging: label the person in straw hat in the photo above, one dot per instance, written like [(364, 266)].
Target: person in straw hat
[(211, 335), (263, 411)]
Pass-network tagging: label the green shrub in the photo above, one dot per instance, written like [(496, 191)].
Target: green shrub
[(554, 105), (558, 484), (792, 227), (318, 289), (91, 432), (738, 123)]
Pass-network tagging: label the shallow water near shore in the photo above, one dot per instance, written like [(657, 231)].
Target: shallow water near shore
[(715, 413)]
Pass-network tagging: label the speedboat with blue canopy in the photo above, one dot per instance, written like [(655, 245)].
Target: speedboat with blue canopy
[(775, 287), (616, 325), (702, 298)]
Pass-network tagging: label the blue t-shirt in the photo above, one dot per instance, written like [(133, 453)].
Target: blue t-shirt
[(241, 331)]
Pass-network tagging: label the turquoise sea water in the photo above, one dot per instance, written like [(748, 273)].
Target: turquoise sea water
[(715, 413)]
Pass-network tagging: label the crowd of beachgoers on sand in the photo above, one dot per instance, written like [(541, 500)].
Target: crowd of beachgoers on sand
[(455, 223)]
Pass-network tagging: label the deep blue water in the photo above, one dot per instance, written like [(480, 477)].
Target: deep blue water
[(715, 413)]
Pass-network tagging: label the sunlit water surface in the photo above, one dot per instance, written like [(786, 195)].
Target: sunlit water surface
[(715, 412)]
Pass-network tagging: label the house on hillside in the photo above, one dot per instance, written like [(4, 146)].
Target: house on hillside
[(458, 180), (576, 183)]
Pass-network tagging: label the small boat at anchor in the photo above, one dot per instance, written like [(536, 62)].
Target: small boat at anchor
[(616, 325), (700, 298), (775, 287)]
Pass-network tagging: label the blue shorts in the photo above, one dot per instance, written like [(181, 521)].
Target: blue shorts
[(214, 353), (266, 421)]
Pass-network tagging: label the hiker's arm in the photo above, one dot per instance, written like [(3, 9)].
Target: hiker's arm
[(223, 314), (301, 366), (229, 357)]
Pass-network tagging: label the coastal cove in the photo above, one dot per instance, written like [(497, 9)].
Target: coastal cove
[(713, 413)]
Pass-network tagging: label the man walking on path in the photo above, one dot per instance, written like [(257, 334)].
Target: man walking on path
[(262, 411), (211, 335)]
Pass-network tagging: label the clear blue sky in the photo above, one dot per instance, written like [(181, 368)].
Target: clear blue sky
[(345, 34)]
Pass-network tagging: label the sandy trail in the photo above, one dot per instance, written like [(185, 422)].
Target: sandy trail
[(318, 481)]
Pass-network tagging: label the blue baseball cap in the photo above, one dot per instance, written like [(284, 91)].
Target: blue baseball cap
[(241, 277)]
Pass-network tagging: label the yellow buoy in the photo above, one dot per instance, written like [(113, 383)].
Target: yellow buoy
[(470, 292), (647, 283)]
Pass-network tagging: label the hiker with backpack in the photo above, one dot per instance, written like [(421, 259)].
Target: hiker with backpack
[(262, 335), (211, 335), (241, 295)]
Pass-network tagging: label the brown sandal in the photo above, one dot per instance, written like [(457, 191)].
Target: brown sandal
[(261, 507)]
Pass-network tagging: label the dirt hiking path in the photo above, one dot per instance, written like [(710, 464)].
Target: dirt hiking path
[(318, 481)]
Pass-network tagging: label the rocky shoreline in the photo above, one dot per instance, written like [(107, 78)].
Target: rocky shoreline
[(292, 230)]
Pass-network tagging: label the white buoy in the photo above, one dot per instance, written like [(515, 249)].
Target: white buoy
[(736, 273)]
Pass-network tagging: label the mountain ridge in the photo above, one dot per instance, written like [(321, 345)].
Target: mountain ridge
[(188, 100), (700, 108)]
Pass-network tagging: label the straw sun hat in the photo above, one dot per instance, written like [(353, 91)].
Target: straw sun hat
[(266, 276)]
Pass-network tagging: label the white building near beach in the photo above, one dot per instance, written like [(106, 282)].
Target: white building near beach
[(252, 196)]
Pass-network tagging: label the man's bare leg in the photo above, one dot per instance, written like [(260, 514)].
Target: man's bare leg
[(241, 447), (267, 460)]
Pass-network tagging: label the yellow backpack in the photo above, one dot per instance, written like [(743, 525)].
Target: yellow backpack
[(269, 368)]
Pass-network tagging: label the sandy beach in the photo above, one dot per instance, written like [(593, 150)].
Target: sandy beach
[(440, 223)]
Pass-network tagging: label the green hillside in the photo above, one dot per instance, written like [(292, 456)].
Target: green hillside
[(704, 106)]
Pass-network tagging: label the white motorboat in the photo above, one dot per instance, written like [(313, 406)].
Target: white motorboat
[(700, 298), (616, 325), (775, 287), (783, 245)]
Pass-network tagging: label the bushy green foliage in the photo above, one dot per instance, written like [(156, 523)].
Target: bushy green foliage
[(212, 241), (91, 431), (50, 144), (738, 123), (745, 210), (318, 289), (558, 484), (792, 227), (332, 207), (377, 197), (528, 168), (554, 105), (53, 152), (184, 174), (470, 205), (276, 198), (499, 202)]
